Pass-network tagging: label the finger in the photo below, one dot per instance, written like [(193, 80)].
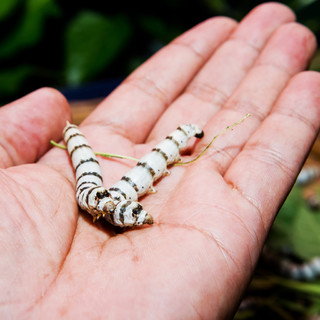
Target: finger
[(28, 124), (238, 209), (286, 53), (133, 108), (227, 67), (292, 45), (265, 170)]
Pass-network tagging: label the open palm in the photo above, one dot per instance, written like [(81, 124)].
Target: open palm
[(211, 217)]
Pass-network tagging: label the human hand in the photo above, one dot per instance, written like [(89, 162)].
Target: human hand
[(211, 217)]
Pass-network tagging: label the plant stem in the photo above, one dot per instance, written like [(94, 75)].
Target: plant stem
[(101, 154), (214, 138)]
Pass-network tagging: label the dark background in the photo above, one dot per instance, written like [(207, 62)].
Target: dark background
[(66, 44)]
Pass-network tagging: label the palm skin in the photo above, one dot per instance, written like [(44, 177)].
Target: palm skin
[(211, 217)]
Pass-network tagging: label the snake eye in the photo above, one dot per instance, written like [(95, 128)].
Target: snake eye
[(102, 194), (137, 210)]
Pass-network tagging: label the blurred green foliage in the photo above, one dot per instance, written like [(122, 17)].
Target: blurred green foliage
[(92, 42), (30, 27), (63, 43), (296, 227), (271, 295)]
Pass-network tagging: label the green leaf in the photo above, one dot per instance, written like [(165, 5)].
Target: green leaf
[(300, 4), (92, 43), (30, 28), (297, 227), (11, 80), (6, 7)]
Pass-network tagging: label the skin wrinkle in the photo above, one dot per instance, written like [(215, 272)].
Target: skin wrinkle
[(32, 222), (265, 154), (9, 161), (218, 157), (254, 204), (135, 256), (198, 314), (72, 183), (36, 204), (244, 43), (194, 86), (296, 116), (107, 242), (57, 200), (148, 87), (64, 179), (253, 108), (180, 43), (269, 156), (10, 149), (206, 93), (16, 304), (50, 286), (253, 232), (12, 145), (241, 46), (248, 105), (192, 45), (208, 235), (60, 239), (21, 188), (102, 247), (244, 106), (252, 264), (44, 291), (275, 66)]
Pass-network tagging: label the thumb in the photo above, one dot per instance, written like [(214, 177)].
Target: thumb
[(28, 124)]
